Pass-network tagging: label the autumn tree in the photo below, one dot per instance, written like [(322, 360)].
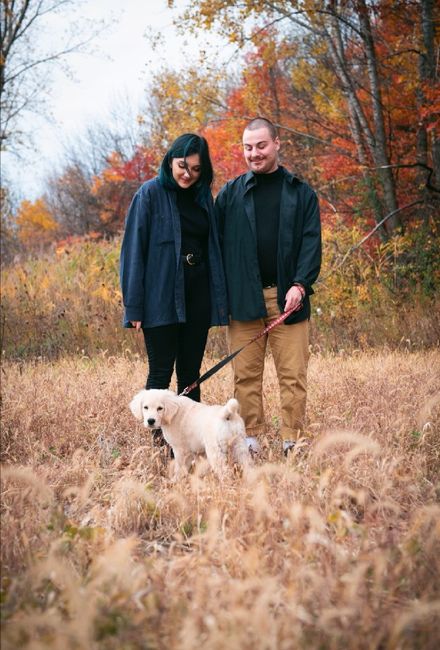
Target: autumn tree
[(121, 130), (36, 226), (113, 188), (215, 104), (226, 151), (89, 156), (353, 65), (70, 200), (179, 102), (9, 242), (428, 92)]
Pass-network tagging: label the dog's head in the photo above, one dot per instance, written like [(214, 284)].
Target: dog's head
[(154, 407)]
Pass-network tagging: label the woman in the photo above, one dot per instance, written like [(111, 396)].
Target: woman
[(172, 278)]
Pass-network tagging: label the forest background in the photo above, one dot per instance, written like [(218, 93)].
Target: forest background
[(354, 90)]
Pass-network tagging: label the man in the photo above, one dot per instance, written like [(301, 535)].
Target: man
[(271, 240)]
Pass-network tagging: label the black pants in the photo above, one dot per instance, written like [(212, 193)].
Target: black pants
[(181, 344)]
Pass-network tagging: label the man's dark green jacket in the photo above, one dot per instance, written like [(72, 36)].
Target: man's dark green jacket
[(299, 245)]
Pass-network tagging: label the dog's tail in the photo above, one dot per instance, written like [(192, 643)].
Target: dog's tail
[(231, 408)]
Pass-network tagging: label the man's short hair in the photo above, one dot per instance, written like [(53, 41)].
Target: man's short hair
[(262, 122)]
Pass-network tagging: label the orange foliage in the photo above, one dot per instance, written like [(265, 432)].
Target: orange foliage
[(224, 139), (65, 246), (294, 83), (430, 112), (116, 184), (36, 224)]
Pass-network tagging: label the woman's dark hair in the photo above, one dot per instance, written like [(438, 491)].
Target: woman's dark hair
[(187, 145)]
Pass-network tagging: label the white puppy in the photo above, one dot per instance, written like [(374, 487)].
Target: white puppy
[(192, 428)]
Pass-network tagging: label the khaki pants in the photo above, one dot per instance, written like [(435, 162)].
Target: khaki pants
[(290, 349)]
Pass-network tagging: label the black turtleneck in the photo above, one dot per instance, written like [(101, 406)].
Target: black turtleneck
[(193, 221), (267, 199)]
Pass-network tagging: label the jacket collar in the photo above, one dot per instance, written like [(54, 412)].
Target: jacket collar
[(250, 180), (202, 201)]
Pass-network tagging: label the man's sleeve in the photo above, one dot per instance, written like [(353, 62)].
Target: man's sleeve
[(220, 210), (309, 259)]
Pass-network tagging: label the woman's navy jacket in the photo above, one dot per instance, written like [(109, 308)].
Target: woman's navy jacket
[(151, 268)]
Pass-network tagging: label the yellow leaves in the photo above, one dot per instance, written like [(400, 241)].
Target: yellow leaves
[(363, 293), (318, 82), (103, 293), (184, 101), (35, 223)]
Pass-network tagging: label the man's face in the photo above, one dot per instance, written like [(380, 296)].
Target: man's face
[(260, 150)]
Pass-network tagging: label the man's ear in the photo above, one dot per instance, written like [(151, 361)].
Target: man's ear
[(136, 405), (170, 410)]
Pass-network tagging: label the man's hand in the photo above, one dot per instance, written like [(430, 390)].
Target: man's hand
[(136, 324), (294, 298)]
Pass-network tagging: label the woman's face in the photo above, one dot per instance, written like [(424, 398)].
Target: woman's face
[(186, 171)]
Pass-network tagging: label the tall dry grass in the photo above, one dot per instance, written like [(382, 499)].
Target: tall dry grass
[(337, 547)]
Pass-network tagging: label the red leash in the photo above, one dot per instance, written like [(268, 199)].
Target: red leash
[(229, 358)]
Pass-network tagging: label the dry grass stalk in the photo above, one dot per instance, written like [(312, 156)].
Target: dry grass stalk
[(337, 547)]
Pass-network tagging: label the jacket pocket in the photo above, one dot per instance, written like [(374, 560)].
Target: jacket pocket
[(163, 231)]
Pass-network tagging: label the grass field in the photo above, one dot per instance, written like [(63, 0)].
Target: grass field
[(336, 548)]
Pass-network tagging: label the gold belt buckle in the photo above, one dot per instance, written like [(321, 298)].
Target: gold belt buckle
[(189, 257)]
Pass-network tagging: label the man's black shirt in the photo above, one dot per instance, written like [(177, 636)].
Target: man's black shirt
[(267, 198)]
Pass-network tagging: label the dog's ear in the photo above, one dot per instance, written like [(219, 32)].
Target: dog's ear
[(136, 405), (171, 407)]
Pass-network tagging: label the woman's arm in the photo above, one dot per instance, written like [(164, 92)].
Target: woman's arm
[(133, 257)]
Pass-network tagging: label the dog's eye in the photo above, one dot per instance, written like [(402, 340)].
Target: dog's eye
[(146, 408), (160, 408)]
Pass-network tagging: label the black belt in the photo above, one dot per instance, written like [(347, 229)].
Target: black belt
[(192, 259), (270, 286)]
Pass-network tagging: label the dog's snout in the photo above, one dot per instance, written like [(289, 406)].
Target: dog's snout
[(151, 421)]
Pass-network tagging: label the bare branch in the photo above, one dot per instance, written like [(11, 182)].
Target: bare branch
[(24, 66)]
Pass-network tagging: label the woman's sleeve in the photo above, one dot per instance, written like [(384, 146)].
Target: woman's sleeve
[(133, 256)]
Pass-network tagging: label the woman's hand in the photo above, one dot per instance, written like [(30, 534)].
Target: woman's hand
[(136, 324)]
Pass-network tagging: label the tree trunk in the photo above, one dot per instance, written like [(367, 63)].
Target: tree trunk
[(359, 126), (380, 151), (427, 73)]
